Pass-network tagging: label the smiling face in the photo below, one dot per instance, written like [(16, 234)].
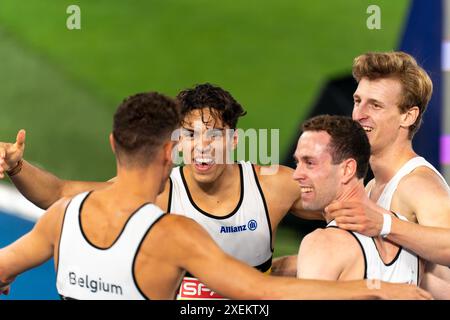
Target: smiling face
[(206, 143), (318, 177), (376, 109)]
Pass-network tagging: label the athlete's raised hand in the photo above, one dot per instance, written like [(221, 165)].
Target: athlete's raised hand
[(11, 153), (364, 217)]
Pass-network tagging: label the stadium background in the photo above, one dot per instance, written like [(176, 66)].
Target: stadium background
[(63, 86)]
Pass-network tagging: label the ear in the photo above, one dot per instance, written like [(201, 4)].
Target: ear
[(348, 170), (235, 139), (112, 143), (167, 151), (409, 117)]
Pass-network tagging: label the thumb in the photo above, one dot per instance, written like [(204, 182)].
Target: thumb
[(20, 139)]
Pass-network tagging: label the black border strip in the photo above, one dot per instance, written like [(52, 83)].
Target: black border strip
[(400, 249), (418, 270), (60, 237), (170, 195), (265, 205), (137, 251), (121, 231), (265, 266), (207, 213)]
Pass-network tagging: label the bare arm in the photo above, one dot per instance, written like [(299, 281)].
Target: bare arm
[(430, 239), (431, 243), (435, 283), (34, 248), (197, 253), (43, 188), (40, 187)]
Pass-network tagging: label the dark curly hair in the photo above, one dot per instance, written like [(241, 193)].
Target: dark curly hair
[(142, 123), (220, 103), (348, 140)]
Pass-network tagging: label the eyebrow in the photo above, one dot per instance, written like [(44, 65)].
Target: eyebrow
[(356, 96), (306, 158), (376, 101), (189, 129)]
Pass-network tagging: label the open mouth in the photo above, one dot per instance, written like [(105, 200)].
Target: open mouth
[(306, 189), (367, 128), (203, 164)]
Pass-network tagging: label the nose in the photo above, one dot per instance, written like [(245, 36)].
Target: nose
[(299, 174), (360, 112), (203, 143)]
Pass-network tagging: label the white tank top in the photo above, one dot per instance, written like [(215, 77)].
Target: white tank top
[(385, 198), (245, 233), (85, 271), (404, 268)]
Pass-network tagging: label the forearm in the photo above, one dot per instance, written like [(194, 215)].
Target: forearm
[(43, 188), (285, 288), (244, 282), (432, 244), (40, 187), (6, 276)]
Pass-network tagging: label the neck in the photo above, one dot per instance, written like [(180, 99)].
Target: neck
[(352, 191), (385, 163), (138, 184), (218, 186)]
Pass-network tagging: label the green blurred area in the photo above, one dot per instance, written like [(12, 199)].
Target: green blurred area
[(63, 86)]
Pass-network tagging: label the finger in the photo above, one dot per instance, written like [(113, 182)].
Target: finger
[(3, 165), (20, 139), (350, 226), (342, 213), (340, 205), (347, 220), (2, 153)]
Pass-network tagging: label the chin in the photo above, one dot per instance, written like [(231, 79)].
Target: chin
[(313, 206), (203, 178)]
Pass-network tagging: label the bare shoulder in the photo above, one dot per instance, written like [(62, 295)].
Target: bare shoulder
[(326, 253), (57, 209), (276, 179), (174, 232), (51, 221), (423, 181), (329, 240)]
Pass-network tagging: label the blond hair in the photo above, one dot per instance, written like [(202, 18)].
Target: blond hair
[(416, 84)]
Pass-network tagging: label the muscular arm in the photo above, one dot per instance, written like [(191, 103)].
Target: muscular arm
[(197, 252), (431, 243), (40, 187), (35, 247), (43, 188)]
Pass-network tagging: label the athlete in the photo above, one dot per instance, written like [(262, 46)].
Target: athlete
[(237, 203), (115, 243), (392, 95), (332, 160)]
